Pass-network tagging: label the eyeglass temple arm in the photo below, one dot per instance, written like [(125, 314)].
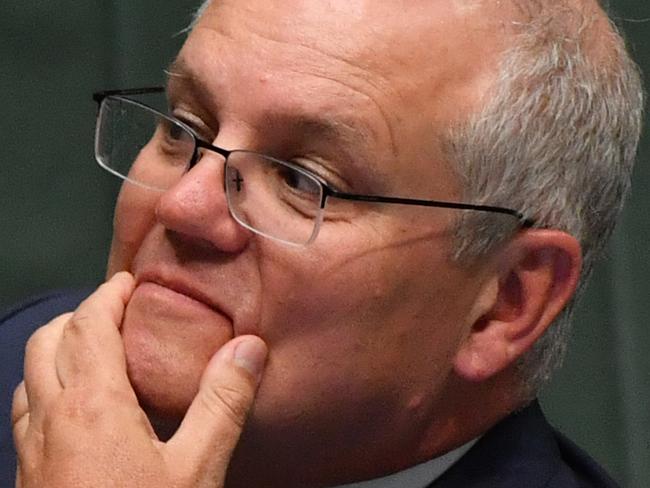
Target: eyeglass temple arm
[(524, 221)]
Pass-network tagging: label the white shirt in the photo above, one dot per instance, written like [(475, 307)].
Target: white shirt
[(418, 476)]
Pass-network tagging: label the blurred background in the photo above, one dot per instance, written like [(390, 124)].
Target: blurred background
[(56, 204)]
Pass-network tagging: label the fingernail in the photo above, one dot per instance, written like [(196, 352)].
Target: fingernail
[(250, 354)]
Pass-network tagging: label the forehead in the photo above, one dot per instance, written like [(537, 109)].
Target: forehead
[(400, 44)]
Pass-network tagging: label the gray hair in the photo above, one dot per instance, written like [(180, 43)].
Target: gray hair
[(198, 13), (557, 141)]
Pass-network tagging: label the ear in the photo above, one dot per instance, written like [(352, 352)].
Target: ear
[(536, 275)]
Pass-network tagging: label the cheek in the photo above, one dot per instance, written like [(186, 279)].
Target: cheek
[(357, 338), (134, 217), (378, 318), (377, 292)]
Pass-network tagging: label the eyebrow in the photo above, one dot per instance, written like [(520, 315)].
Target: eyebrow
[(178, 69), (349, 133), (345, 134)]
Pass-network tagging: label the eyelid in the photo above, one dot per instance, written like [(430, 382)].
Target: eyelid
[(323, 172), (194, 122)]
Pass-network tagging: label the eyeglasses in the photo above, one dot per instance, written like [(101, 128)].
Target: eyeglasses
[(273, 198)]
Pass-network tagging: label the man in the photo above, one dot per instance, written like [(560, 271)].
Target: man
[(352, 243)]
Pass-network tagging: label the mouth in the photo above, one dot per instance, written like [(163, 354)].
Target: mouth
[(179, 292)]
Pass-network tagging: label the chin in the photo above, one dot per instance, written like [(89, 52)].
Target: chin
[(164, 385), (166, 355)]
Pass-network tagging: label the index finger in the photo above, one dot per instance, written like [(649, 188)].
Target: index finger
[(91, 347)]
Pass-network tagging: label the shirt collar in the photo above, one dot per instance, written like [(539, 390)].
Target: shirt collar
[(418, 476)]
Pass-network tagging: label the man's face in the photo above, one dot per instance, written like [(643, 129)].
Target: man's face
[(362, 324)]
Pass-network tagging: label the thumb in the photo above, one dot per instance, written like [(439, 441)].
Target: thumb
[(213, 423)]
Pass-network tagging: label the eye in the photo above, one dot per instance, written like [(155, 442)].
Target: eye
[(175, 145), (172, 133), (298, 181), (175, 132)]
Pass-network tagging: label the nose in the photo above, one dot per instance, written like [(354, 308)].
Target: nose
[(196, 208)]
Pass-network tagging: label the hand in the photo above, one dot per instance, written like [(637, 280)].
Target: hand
[(76, 418)]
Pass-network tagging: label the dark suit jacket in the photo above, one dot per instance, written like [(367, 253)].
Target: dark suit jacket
[(522, 451)]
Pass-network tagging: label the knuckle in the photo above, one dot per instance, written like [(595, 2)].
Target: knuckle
[(19, 426), (19, 391), (45, 334), (79, 321), (80, 325), (34, 341), (222, 400), (19, 404)]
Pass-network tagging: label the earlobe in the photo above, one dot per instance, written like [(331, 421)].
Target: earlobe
[(538, 273)]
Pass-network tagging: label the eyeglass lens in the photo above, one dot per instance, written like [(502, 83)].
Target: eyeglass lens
[(140, 145), (273, 198)]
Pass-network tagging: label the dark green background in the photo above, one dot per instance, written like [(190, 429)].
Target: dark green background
[(56, 203)]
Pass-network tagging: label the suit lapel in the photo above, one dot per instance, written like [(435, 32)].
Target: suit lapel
[(520, 451)]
